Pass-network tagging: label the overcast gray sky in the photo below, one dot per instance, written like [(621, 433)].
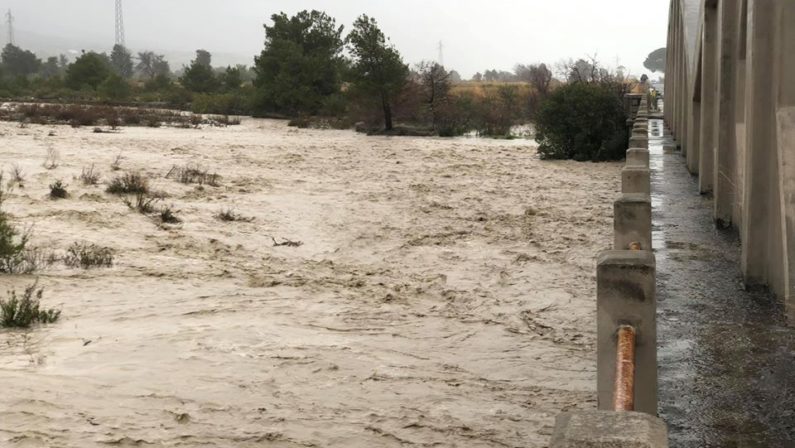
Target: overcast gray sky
[(477, 35)]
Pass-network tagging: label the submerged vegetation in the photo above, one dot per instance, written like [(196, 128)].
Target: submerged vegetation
[(25, 310)]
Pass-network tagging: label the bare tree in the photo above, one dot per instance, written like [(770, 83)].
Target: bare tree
[(435, 81), (537, 75), (152, 65)]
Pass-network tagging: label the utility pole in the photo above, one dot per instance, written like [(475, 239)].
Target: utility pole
[(119, 24), (10, 26), (441, 53)]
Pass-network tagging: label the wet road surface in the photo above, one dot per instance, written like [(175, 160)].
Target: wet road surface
[(726, 355)]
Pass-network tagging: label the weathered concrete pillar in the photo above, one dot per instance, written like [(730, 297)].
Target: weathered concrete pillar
[(762, 254), (626, 296), (638, 157), (694, 136), (604, 429), (639, 141), (786, 144), (725, 174), (632, 221), (635, 179), (706, 165)]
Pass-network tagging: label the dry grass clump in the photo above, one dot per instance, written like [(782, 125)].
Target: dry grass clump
[(143, 203), (88, 256), (129, 183), (116, 165), (58, 190), (146, 204), (230, 215), (17, 175), (25, 311), (52, 159), (194, 174), (167, 215), (90, 176)]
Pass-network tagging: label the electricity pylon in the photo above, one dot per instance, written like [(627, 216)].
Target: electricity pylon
[(119, 24)]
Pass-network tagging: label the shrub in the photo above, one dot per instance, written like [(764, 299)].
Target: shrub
[(58, 190), (12, 246), (22, 312), (167, 216), (582, 121), (116, 165), (87, 256), (129, 183), (230, 215), (143, 203), (52, 159), (89, 176), (193, 174), (17, 175)]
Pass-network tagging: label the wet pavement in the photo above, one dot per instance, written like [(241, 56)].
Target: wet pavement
[(726, 355)]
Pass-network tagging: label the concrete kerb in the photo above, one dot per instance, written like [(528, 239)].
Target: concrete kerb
[(626, 296), (636, 179), (601, 429), (632, 221)]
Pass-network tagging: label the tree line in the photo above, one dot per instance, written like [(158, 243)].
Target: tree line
[(309, 69)]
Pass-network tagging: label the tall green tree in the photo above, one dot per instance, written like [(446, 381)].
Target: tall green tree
[(199, 76), (50, 68), (231, 79), (152, 65), (656, 60), (19, 62), (301, 63), (436, 84), (90, 69), (121, 61), (114, 88), (378, 69)]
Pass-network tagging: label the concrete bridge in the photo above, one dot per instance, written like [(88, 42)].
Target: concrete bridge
[(671, 321), (730, 103)]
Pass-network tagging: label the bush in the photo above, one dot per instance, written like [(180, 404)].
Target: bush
[(582, 121), (168, 216), (230, 215), (58, 190), (194, 174), (87, 256), (22, 312), (12, 246), (89, 176), (130, 183), (143, 203)]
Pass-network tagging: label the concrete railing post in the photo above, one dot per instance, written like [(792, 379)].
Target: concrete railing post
[(639, 141), (632, 221), (625, 284), (636, 179), (597, 429), (638, 157)]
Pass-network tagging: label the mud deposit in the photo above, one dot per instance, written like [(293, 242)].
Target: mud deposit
[(443, 295)]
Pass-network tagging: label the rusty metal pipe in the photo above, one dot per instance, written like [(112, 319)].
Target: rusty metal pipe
[(624, 390)]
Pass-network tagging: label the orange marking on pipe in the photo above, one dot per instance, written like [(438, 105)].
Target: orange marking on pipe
[(624, 390)]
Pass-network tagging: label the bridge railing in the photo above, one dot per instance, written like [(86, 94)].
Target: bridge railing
[(626, 319)]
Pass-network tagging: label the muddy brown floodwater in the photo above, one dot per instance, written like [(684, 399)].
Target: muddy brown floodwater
[(443, 296)]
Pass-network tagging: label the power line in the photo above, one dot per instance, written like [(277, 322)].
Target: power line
[(10, 26), (119, 24)]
